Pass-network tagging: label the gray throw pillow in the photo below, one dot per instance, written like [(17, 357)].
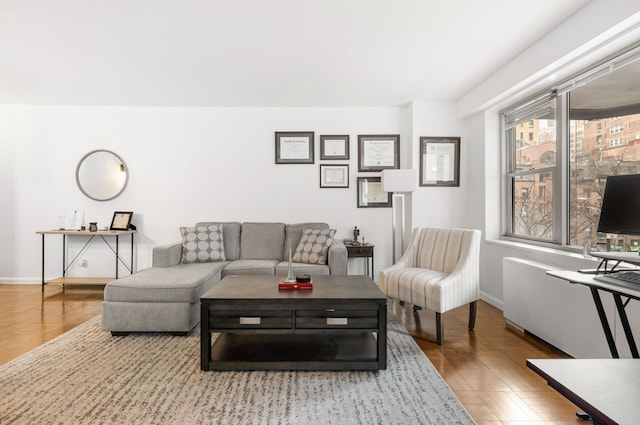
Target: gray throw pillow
[(313, 246), (202, 244)]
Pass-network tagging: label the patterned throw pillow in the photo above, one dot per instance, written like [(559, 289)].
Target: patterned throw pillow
[(313, 246), (202, 244)]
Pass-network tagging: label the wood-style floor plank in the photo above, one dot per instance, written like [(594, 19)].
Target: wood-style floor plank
[(485, 368)]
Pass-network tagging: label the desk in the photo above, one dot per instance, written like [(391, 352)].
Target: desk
[(607, 389), (362, 251), (618, 291), (103, 234)]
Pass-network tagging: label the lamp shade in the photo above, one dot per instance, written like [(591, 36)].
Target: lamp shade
[(401, 180)]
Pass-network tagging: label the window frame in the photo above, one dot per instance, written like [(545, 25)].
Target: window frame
[(560, 172), (559, 231)]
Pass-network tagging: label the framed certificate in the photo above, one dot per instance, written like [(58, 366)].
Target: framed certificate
[(378, 152), (121, 220), (370, 193), (334, 175), (294, 147), (439, 161), (334, 147)]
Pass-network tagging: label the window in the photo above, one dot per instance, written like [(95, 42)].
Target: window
[(555, 185), (615, 142), (531, 167)]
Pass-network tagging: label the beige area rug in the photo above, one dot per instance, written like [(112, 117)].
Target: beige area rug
[(86, 376)]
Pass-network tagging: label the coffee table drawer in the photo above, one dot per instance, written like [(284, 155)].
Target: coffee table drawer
[(336, 319), (250, 319)]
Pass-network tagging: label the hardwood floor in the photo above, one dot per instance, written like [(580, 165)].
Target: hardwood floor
[(29, 318), (486, 367)]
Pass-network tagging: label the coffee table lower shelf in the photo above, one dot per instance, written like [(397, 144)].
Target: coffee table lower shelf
[(297, 351)]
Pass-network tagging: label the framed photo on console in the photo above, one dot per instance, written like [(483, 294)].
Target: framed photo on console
[(121, 220), (439, 161), (378, 152), (370, 193), (294, 147), (334, 175), (334, 147)]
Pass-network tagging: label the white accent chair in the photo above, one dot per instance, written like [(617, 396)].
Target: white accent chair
[(439, 271)]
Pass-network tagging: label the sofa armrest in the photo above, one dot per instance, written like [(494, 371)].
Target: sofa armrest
[(167, 255), (337, 258)]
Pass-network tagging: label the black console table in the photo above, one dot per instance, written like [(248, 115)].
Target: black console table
[(103, 234), (361, 251)]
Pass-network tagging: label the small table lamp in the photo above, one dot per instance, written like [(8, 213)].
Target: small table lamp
[(399, 181)]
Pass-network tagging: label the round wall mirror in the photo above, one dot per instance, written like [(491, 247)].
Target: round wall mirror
[(102, 175)]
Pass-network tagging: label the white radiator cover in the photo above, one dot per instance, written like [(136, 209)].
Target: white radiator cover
[(561, 313)]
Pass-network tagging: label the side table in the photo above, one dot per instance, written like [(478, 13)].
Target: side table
[(362, 251), (103, 234)]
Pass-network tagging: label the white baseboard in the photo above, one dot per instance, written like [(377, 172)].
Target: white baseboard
[(492, 300), (20, 281)]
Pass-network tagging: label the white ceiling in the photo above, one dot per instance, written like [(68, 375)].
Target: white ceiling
[(261, 52)]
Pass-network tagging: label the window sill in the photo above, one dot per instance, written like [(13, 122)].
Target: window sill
[(558, 255)]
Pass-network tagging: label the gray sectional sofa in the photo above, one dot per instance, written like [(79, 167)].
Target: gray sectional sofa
[(166, 296)]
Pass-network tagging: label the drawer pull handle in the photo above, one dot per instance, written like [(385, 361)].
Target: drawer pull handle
[(336, 320), (249, 320)]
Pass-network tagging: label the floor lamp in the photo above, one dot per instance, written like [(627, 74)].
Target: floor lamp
[(399, 182)]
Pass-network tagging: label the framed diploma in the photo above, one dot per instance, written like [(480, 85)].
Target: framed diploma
[(378, 152), (121, 220), (370, 193), (439, 161), (334, 175), (294, 147), (334, 147)]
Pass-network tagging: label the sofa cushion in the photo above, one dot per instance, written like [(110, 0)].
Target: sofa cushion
[(293, 234), (202, 244), (181, 283), (266, 267), (231, 234), (313, 246), (262, 241)]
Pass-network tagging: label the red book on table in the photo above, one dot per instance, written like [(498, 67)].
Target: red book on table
[(294, 285)]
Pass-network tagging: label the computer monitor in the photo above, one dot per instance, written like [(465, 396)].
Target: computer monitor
[(620, 211)]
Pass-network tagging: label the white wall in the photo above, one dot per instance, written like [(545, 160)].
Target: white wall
[(440, 206), (7, 194), (192, 164)]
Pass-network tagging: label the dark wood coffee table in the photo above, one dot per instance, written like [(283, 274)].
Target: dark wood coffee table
[(341, 324)]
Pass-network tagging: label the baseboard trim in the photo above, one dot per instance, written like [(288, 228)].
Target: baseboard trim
[(492, 300), (20, 281)]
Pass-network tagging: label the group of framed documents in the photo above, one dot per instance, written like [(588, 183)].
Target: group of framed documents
[(439, 161)]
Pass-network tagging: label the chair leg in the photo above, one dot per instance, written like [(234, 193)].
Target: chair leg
[(439, 328), (472, 315)]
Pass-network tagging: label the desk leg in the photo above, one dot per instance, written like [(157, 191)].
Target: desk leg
[(625, 325), (605, 323), (64, 260), (64, 255), (117, 254), (43, 262), (372, 265)]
